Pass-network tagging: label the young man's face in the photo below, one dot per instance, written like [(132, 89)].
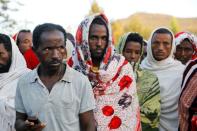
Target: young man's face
[(25, 41), (52, 49), (132, 51), (161, 46), (184, 51), (5, 59), (97, 41)]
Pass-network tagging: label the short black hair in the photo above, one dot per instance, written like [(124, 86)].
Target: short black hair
[(5, 40), (46, 27), (187, 40), (22, 31), (163, 31), (135, 37), (100, 21)]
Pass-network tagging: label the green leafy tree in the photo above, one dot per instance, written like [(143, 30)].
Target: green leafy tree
[(117, 31), (146, 32), (134, 25), (6, 22), (174, 25), (95, 8)]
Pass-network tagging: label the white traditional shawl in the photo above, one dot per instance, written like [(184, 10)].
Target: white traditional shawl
[(8, 84), (169, 72)]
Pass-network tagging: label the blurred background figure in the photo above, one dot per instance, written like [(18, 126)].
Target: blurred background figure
[(185, 47), (144, 49), (24, 40), (24, 43)]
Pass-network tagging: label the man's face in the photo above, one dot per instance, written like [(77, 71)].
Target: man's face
[(184, 51), (52, 49), (161, 46), (25, 41), (132, 51), (5, 59), (97, 41)]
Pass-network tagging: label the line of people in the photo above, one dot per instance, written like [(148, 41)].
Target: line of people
[(99, 87)]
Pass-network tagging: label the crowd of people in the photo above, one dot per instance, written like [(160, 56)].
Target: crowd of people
[(51, 81)]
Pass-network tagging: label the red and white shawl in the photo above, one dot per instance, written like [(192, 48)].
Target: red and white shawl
[(188, 94), (117, 107)]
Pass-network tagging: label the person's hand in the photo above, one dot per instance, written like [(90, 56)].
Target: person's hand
[(194, 123), (31, 126)]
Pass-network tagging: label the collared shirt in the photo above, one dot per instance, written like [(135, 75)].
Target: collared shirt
[(60, 108)]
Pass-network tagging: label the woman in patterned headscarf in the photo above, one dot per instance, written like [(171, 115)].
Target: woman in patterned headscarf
[(113, 82), (131, 46)]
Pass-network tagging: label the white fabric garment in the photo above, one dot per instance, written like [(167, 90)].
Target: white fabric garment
[(169, 72), (8, 84)]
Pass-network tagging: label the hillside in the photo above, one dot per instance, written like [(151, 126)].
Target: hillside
[(144, 23)]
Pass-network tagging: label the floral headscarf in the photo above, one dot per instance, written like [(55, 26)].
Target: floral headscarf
[(117, 106), (179, 37), (81, 56)]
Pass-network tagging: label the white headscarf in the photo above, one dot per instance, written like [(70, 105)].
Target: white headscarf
[(8, 84), (169, 72)]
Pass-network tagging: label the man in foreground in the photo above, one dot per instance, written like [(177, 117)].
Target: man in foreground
[(51, 97)]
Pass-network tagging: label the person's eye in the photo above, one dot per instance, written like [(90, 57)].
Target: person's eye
[(188, 49), (93, 38), (155, 43), (46, 49), (128, 51), (166, 44), (104, 39), (61, 48), (137, 52)]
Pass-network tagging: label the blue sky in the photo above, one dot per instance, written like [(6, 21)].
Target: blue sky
[(69, 13)]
